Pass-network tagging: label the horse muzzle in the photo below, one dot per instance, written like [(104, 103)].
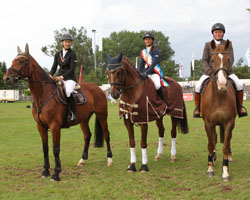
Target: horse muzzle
[(9, 80)]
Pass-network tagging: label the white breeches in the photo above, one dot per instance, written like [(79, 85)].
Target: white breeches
[(156, 80), (199, 83), (236, 80), (69, 86)]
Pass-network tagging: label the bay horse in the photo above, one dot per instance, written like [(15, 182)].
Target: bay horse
[(125, 80), (49, 112), (218, 107)]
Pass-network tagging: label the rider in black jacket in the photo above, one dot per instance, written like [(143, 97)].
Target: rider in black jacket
[(66, 59)]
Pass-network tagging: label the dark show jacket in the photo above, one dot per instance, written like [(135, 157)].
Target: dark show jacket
[(207, 54), (67, 65), (155, 53)]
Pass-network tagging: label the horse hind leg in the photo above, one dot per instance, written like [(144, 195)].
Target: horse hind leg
[(87, 136), (161, 131), (173, 140), (102, 122)]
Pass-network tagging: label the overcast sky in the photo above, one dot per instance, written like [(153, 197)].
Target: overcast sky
[(186, 22)]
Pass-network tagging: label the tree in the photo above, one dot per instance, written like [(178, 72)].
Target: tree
[(3, 70), (243, 72), (82, 46)]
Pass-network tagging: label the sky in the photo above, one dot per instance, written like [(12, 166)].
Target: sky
[(187, 23)]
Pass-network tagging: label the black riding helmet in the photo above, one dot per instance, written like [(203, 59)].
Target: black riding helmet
[(66, 36), (148, 35), (218, 26)]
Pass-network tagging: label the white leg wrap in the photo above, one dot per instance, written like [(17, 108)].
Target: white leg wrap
[(173, 148), (132, 155), (160, 145), (225, 172), (144, 156)]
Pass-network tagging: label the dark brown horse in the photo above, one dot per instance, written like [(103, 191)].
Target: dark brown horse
[(218, 107), (125, 80), (49, 113)]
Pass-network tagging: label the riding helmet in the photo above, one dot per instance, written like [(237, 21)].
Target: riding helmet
[(66, 36), (148, 35), (218, 26)]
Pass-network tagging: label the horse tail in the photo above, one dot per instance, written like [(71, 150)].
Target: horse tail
[(184, 122), (99, 138), (222, 134)]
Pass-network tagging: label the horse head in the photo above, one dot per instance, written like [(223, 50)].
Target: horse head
[(115, 74), (19, 68), (220, 64)]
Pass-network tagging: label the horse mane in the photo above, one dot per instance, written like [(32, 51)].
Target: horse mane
[(130, 63), (44, 74)]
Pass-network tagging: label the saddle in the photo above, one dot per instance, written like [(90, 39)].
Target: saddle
[(78, 94)]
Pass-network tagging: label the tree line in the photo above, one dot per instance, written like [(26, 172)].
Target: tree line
[(129, 42)]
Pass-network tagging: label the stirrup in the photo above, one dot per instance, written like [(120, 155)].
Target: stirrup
[(242, 114), (197, 115), (72, 117)]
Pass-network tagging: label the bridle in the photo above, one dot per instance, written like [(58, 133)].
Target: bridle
[(223, 69), (112, 68), (21, 72)]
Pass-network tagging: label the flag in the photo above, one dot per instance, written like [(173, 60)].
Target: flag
[(80, 76), (181, 68), (248, 56), (193, 62)]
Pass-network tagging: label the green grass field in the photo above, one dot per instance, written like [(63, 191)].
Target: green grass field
[(21, 162)]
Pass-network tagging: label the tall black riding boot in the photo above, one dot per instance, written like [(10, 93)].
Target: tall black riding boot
[(160, 94), (72, 109)]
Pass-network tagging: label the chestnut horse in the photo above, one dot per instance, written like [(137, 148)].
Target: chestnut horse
[(218, 107), (49, 113), (125, 80)]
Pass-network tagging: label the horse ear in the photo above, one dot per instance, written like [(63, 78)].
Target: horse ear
[(108, 57), (27, 50), (19, 50), (227, 44), (213, 45), (120, 56)]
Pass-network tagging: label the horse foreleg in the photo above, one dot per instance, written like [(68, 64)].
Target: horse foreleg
[(161, 130), (87, 136), (144, 131), (210, 130), (226, 150), (130, 128), (56, 135), (104, 124), (173, 141), (44, 136)]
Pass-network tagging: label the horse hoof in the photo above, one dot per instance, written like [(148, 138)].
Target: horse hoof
[(144, 168), (131, 168), (157, 157), (81, 163), (210, 174), (55, 177), (230, 159), (173, 159), (226, 179), (45, 173)]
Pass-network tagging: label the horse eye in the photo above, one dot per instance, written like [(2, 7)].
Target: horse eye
[(21, 61), (118, 73)]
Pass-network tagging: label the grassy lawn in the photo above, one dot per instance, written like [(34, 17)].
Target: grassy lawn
[(21, 162)]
